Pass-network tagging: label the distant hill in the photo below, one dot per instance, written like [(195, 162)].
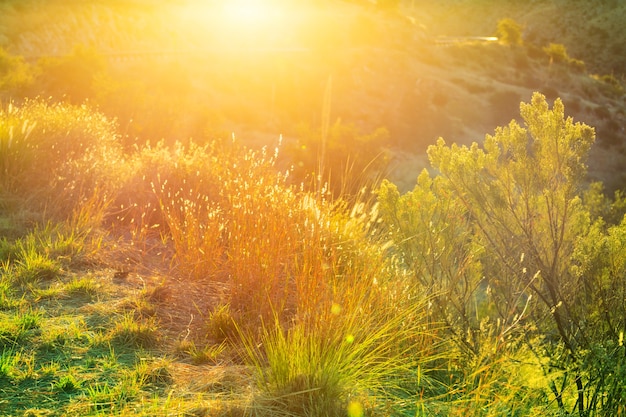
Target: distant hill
[(175, 70), (592, 30)]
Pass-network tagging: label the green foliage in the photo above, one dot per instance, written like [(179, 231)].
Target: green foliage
[(15, 75), (154, 374), (16, 329), (41, 254), (33, 268), (83, 287), (7, 295), (611, 86), (9, 360), (509, 32), (512, 213), (558, 55), (556, 52), (130, 332), (347, 360), (433, 236), (525, 181), (105, 397), (221, 325), (204, 354), (29, 320), (429, 303), (67, 384)]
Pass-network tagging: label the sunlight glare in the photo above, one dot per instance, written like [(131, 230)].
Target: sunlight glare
[(355, 409), (240, 23), (249, 12)]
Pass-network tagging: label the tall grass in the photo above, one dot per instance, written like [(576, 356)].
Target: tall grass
[(223, 206), (54, 156), (308, 278), (360, 352)]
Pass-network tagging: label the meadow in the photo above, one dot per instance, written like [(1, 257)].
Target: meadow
[(162, 254)]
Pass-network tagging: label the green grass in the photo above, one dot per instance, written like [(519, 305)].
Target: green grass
[(300, 372)]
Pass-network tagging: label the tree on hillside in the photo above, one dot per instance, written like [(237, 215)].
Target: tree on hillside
[(509, 32)]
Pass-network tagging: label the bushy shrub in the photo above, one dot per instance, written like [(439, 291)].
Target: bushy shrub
[(509, 32), (492, 208), (558, 55), (54, 154), (556, 52), (609, 85), (15, 76)]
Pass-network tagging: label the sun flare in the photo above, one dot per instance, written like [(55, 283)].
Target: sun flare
[(249, 12), (242, 23)]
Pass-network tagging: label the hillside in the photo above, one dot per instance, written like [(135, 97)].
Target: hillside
[(590, 30), (244, 208), (388, 69)]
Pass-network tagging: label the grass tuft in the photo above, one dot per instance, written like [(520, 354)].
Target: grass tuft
[(154, 374), (68, 384), (33, 268), (132, 333), (9, 359)]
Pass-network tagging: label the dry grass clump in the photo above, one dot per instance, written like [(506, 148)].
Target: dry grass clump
[(55, 155), (232, 217), (303, 273)]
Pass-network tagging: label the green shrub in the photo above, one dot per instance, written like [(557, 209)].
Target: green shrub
[(15, 76), (491, 209), (558, 55), (509, 32), (609, 85)]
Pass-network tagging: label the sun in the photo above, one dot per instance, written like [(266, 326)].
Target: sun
[(240, 23), (250, 12)]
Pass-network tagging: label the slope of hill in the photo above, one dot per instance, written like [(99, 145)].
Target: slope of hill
[(591, 30), (388, 69)]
